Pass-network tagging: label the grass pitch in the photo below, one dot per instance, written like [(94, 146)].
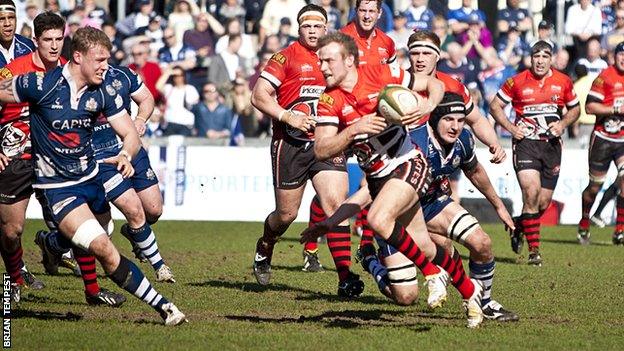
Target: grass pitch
[(575, 301)]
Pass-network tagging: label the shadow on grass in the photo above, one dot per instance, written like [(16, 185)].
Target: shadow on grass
[(47, 299), (348, 319), (576, 243), (47, 315)]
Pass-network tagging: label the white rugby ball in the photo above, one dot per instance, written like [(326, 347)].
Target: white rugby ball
[(395, 100)]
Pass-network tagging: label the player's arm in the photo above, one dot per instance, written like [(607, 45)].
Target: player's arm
[(144, 99), (572, 114), (497, 107), (263, 98), (123, 126), (479, 178), (7, 93), (484, 131), (435, 92), (329, 143)]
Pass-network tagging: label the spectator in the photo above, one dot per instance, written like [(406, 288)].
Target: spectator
[(458, 66), (283, 34), (400, 34), (513, 48), (593, 62), (513, 14), (271, 44), (615, 36), (225, 66), (273, 13), (247, 51), (52, 6), (334, 21), (253, 14), (419, 17), (183, 17), (585, 124), (202, 40), (240, 96), (175, 53), (496, 72), (148, 71), (213, 120), (32, 10), (117, 52), (476, 39), (231, 9), (95, 13), (545, 32), (137, 19), (561, 61), (459, 19), (179, 100), (154, 31), (584, 21), (439, 7), (441, 29), (263, 59), (73, 23)]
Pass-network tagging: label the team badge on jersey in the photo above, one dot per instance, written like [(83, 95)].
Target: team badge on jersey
[(91, 105), (117, 84), (110, 90), (325, 98), (150, 174), (279, 58)]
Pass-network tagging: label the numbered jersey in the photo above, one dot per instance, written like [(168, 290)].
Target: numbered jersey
[(377, 49), (538, 102), (61, 121), (295, 75), (608, 89), (120, 81), (377, 154), (444, 161)]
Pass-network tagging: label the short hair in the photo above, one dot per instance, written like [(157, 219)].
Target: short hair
[(312, 7), (87, 38), (358, 2), (233, 37), (424, 35), (46, 21), (348, 44), (542, 45)]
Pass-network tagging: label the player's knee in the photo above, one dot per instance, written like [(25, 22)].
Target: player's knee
[(481, 246), (91, 237), (133, 211), (12, 231), (379, 222), (286, 217), (153, 214)]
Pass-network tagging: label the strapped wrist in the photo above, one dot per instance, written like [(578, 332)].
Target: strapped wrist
[(125, 154)]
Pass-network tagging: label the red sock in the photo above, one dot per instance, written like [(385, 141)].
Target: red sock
[(86, 262), (316, 215), (584, 223), (339, 243), (619, 219), (13, 263), (455, 268), (367, 231), (403, 242), (531, 228)]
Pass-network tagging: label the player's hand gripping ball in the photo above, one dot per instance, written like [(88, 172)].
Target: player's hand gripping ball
[(395, 101)]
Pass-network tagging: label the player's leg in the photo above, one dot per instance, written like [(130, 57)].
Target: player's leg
[(530, 185), (608, 195), (618, 234), (599, 160), (311, 262)]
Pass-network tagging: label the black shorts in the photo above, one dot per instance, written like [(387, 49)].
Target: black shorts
[(294, 163), (415, 172), (543, 156), (602, 152), (16, 181)]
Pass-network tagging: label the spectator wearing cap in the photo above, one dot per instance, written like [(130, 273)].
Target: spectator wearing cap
[(247, 50), (226, 66), (583, 22), (183, 17), (274, 11), (459, 19), (213, 120), (476, 39), (231, 9), (154, 31), (283, 34), (175, 53), (458, 66), (594, 63), (334, 22), (512, 48), (513, 14), (419, 17), (615, 36), (545, 32), (137, 19), (96, 13), (400, 33)]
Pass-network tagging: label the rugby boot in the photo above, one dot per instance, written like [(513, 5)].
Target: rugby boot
[(436, 283), (351, 287), (171, 315), (136, 250), (164, 274), (583, 236), (16, 293), (535, 258), (472, 306), (495, 311), (618, 238), (105, 297), (517, 237), (70, 264), (50, 260), (262, 262), (311, 261), (30, 281), (598, 221)]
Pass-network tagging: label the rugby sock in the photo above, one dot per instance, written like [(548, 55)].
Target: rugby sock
[(454, 266), (316, 215), (403, 242), (531, 227), (86, 262), (146, 240), (130, 278), (608, 195), (619, 219), (377, 270), (584, 223), (483, 272), (339, 243), (367, 231), (13, 263), (264, 246)]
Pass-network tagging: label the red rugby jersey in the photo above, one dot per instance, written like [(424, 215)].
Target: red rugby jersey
[(608, 89), (379, 48)]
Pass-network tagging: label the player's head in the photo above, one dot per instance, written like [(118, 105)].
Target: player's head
[(90, 49), (339, 55), (49, 35), (312, 21), (541, 58), (367, 13), (448, 118), (618, 56), (424, 52), (8, 21)]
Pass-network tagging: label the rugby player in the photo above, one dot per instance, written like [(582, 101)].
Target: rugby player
[(538, 96)]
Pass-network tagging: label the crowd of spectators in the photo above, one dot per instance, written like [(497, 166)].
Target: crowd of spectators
[(201, 58)]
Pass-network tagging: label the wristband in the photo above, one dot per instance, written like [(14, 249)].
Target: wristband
[(141, 119), (281, 115), (125, 154)]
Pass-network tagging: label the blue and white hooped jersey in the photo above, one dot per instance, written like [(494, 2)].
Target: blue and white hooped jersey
[(443, 163), (61, 124), (21, 46), (118, 80)]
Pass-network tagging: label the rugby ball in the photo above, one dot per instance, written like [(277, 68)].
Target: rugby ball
[(395, 100)]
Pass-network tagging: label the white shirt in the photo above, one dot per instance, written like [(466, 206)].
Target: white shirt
[(246, 50), (232, 62), (175, 112), (593, 67), (274, 10), (588, 21)]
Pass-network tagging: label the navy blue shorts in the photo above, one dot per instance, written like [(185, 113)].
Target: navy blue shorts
[(115, 185), (61, 201), (433, 207)]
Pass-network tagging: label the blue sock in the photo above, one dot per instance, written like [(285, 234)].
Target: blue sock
[(57, 243), (378, 271), (145, 239), (483, 272), (130, 278)]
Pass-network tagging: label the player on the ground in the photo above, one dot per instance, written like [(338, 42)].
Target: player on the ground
[(288, 91), (65, 104), (606, 101), (538, 96), (15, 164)]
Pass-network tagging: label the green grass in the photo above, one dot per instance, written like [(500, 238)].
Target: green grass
[(575, 301)]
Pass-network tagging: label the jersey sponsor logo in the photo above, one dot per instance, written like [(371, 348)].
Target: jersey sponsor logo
[(556, 89), (528, 91), (311, 91), (347, 109), (39, 80), (326, 99), (118, 101), (71, 140), (59, 206), (113, 182), (91, 105), (306, 68), (25, 81), (71, 123), (110, 90), (5, 73), (279, 58), (541, 108), (57, 104)]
